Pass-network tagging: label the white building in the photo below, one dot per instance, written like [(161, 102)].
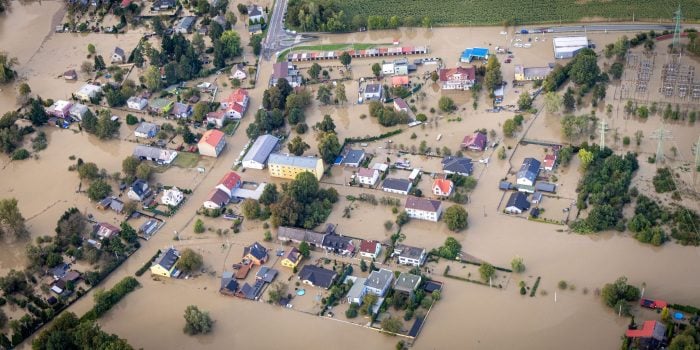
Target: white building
[(87, 91), (398, 186), (136, 103), (257, 155), (367, 177), (423, 208), (388, 68), (172, 197), (410, 255), (373, 92), (567, 47)]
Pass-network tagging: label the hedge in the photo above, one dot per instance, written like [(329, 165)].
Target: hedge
[(147, 265), (104, 300)]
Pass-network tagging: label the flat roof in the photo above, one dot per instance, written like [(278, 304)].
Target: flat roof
[(570, 41), (295, 161)]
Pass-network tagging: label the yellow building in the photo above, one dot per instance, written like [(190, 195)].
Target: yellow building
[(292, 259), (165, 264), (532, 73), (288, 167)]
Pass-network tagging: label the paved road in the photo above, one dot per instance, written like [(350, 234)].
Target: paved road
[(604, 28), (275, 31)]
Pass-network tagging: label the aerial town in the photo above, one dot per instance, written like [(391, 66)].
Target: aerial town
[(389, 174)]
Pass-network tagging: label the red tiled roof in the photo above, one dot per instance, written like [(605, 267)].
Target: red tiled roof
[(549, 160), (212, 137), (237, 96), (215, 115), (646, 331), (230, 180), (469, 73), (125, 3), (368, 246), (366, 172), (443, 184), (399, 80)]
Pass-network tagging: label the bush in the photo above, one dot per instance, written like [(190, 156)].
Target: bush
[(104, 300), (517, 265), (487, 271), (562, 285), (199, 226), (147, 265), (131, 119), (196, 321), (20, 154)]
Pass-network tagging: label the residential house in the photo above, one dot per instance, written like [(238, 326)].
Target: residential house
[(216, 118), (353, 158), (459, 78), (475, 142), (256, 14), (288, 167), (517, 203), (367, 176), (229, 183), (388, 68), (105, 230), (60, 109), (139, 190), (137, 103), (407, 283), (338, 244), (317, 276), (298, 235), (70, 74), (266, 274), (370, 249), (160, 106), (532, 73), (379, 282), (229, 285), (549, 161), (217, 199), (256, 253), (146, 130), (410, 255), (154, 154), (165, 264), (399, 186), (651, 336), (181, 110), (239, 72), (423, 208), (401, 106), (285, 70), (357, 291), (373, 92), (185, 25), (236, 103), (400, 66), (59, 271), (546, 187), (220, 19), (527, 175), (255, 29), (212, 143), (400, 80), (257, 155), (457, 165), (442, 187), (536, 198), (118, 55), (292, 258), (172, 197), (78, 111), (162, 5)]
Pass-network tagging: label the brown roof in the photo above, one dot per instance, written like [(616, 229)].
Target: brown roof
[(368, 246), (469, 73), (280, 70), (424, 204), (366, 172), (218, 196)]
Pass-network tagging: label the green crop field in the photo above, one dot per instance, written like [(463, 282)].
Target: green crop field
[(491, 12)]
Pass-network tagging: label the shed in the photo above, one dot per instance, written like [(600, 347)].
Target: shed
[(546, 187)]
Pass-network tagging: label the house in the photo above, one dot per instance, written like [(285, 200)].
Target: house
[(87, 92), (423, 208), (216, 118), (400, 80), (459, 78), (353, 158), (298, 235), (212, 143), (185, 25), (236, 103), (414, 174), (146, 130), (266, 274), (161, 5), (338, 244), (172, 197), (370, 249), (219, 19), (568, 47), (367, 176), (118, 55), (442, 187), (373, 92), (255, 29), (181, 110), (549, 161), (104, 230), (379, 282), (517, 203), (139, 190), (400, 66), (505, 185), (217, 199), (536, 198), (388, 68), (285, 70), (125, 3), (475, 142), (137, 103), (528, 172), (70, 74), (317, 276), (60, 271), (256, 253), (410, 255), (532, 73), (60, 109), (239, 72), (160, 106), (457, 165), (78, 111), (407, 283), (165, 264), (357, 291), (471, 53), (154, 154), (288, 167), (652, 335), (256, 14), (257, 155), (229, 183), (546, 187), (399, 186), (292, 258), (401, 106), (229, 285)]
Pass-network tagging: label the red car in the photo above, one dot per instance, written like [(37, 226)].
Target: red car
[(507, 60)]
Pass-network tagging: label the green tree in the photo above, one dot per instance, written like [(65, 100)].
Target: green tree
[(315, 70), (88, 171), (196, 321), (584, 69), (616, 70), (517, 265), (326, 125), (434, 76), (24, 90), (402, 219), (613, 293), (198, 43), (345, 59), (152, 78), (189, 261), (525, 101), (129, 165), (98, 190), (199, 226), (340, 93), (91, 49), (376, 69), (450, 249), (297, 146), (493, 76), (269, 195), (7, 74), (131, 119), (446, 104), (586, 157), (329, 147), (304, 249), (251, 209), (231, 43), (200, 111), (392, 324), (456, 217), (568, 100), (487, 271), (144, 171), (509, 127), (324, 94), (11, 219)]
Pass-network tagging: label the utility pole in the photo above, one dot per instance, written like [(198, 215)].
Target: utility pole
[(661, 135)]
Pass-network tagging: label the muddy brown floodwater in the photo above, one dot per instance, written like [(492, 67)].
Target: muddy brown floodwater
[(468, 316)]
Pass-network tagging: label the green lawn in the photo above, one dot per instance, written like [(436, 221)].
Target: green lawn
[(186, 160), (326, 47), (231, 128)]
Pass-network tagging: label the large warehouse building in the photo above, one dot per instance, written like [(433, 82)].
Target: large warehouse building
[(567, 47)]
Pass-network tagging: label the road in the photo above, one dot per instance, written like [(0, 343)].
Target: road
[(603, 28), (275, 31)]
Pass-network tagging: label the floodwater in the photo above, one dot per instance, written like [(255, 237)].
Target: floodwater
[(468, 316)]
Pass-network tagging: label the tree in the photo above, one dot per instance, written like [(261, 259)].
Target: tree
[(24, 90), (91, 49), (11, 219), (37, 114), (98, 190), (324, 94), (446, 104), (189, 261), (200, 111), (196, 321), (329, 147), (568, 100), (552, 102), (304, 249), (152, 78), (269, 195), (243, 9), (616, 70), (450, 249), (88, 171), (314, 70), (525, 101), (129, 165), (231, 43), (509, 127), (586, 157), (345, 59), (456, 217), (340, 93), (392, 324), (106, 127), (613, 293), (199, 226), (493, 76), (278, 290), (297, 146), (7, 74), (256, 44), (376, 69), (584, 69), (402, 218), (198, 43), (251, 209), (638, 136), (517, 265), (487, 271), (326, 125), (144, 171)]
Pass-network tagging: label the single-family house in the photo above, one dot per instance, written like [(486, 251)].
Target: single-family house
[(379, 282), (317, 276), (373, 92), (78, 111), (146, 130), (266, 274), (285, 70), (217, 199), (353, 158), (527, 175), (118, 55), (457, 165), (105, 230), (400, 66), (60, 109), (399, 186), (298, 235), (400, 105), (546, 187), (423, 208), (212, 143), (357, 291), (370, 249), (442, 187), (651, 336), (139, 190), (517, 203), (289, 166), (459, 78), (137, 103), (181, 110), (185, 25), (165, 264), (400, 80), (219, 19), (236, 103), (549, 161), (87, 92), (367, 176), (338, 244), (59, 271), (256, 14), (292, 258), (257, 155), (475, 142), (256, 253), (229, 285), (172, 197), (160, 106), (216, 118), (229, 183), (162, 5), (239, 72), (407, 283), (388, 68), (536, 198), (70, 74), (408, 255), (154, 154)]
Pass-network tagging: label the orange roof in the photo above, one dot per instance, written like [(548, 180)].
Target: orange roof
[(399, 80), (443, 184), (646, 331), (230, 180), (212, 137), (237, 96)]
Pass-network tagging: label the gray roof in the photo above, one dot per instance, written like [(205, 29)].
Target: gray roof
[(546, 187), (119, 51), (410, 252), (147, 128), (149, 152), (140, 187), (168, 259), (379, 279), (518, 200), (529, 169), (396, 184), (423, 204), (254, 28), (505, 185), (295, 161), (254, 10), (266, 274), (187, 22), (317, 276), (261, 149), (337, 242), (357, 288), (458, 165), (300, 234), (373, 88), (407, 282), (354, 156)]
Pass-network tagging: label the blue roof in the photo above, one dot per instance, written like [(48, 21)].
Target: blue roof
[(354, 157), (475, 52), (529, 169), (518, 200)]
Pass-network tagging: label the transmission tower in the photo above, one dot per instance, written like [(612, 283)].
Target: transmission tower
[(661, 135), (677, 31), (697, 154), (603, 129)]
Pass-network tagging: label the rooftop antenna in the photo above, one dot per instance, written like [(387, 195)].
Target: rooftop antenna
[(661, 135), (677, 30)]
